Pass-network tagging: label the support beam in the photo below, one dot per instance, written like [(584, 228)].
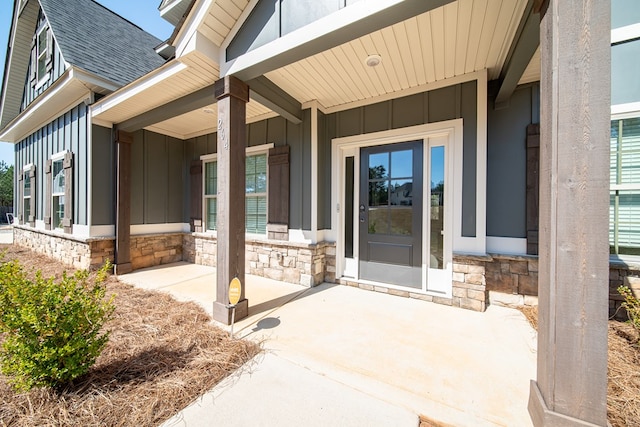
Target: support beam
[(232, 95), (349, 23), (571, 386), (271, 96), (525, 44), (194, 101), (123, 202)]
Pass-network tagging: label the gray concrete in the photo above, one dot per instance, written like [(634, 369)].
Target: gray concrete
[(336, 355), (6, 234)]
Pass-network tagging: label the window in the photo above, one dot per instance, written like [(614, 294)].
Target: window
[(255, 190), (42, 52), (27, 211), (57, 193), (624, 207)]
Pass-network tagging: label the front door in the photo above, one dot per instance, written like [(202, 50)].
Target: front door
[(390, 214)]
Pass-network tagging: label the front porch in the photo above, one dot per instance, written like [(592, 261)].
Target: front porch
[(343, 356)]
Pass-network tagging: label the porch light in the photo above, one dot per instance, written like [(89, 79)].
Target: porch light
[(373, 60)]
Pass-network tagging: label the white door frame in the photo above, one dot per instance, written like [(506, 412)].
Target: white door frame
[(350, 146)]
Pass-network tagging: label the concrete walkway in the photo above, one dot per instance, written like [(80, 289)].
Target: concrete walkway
[(336, 355), (6, 234)]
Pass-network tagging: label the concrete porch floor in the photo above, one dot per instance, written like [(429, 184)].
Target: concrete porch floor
[(336, 355)]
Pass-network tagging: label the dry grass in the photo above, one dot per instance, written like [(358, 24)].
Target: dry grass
[(162, 354), (623, 371)]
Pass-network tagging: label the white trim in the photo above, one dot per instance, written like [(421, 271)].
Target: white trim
[(176, 227), (624, 111), (335, 21), (103, 231), (79, 230), (89, 143), (58, 156), (300, 236), (349, 146), (99, 122), (314, 173), (477, 75), (27, 167), (480, 246), (627, 33), (193, 20), (138, 86), (198, 42), (506, 245), (255, 149)]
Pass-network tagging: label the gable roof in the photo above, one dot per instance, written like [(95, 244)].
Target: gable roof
[(97, 40)]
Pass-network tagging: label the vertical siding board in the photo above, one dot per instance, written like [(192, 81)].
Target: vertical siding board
[(468, 111), (137, 179), (294, 138), (82, 175), (176, 179)]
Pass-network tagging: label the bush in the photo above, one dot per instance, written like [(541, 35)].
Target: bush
[(632, 305), (53, 330)]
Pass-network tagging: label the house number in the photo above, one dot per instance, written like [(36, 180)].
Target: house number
[(223, 135)]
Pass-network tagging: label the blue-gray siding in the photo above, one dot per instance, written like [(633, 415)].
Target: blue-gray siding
[(507, 162), (66, 133), (458, 101), (103, 176), (158, 174)]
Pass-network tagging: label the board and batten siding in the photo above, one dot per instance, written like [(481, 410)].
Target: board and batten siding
[(279, 132), (507, 161), (69, 132), (157, 179), (452, 102), (102, 176), (31, 92)]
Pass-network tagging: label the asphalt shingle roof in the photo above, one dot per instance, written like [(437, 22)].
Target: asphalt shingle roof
[(98, 40)]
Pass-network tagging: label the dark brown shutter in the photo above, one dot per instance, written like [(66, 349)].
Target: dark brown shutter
[(32, 213), (47, 195), (196, 196), (278, 195), (20, 204), (49, 57), (67, 221), (533, 187)]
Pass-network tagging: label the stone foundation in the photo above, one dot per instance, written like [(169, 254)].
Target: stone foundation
[(299, 263), (79, 253), (622, 274), (155, 249)]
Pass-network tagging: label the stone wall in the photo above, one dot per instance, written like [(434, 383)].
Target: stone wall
[(299, 263), (79, 253), (622, 274), (155, 249)]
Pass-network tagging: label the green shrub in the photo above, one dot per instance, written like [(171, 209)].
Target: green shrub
[(632, 305), (53, 329)]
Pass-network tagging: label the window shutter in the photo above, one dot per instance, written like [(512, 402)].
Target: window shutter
[(196, 196), (34, 61), (47, 195), (278, 193), (533, 187), (67, 221), (49, 59), (20, 204), (32, 213)]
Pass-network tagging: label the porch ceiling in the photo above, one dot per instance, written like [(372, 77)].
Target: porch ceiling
[(459, 38)]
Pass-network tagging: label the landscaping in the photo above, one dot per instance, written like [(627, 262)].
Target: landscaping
[(161, 356)]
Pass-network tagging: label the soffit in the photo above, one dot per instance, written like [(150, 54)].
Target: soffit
[(221, 18), (459, 38), (532, 72)]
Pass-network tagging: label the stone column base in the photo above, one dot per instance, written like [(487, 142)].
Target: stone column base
[(542, 416), (222, 312)]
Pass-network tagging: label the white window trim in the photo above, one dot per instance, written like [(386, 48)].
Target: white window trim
[(41, 80), (208, 158), (26, 168), (55, 158)]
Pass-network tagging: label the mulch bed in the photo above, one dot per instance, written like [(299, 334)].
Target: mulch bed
[(161, 356), (623, 371)]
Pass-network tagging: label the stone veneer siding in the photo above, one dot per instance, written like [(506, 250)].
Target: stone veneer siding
[(299, 263), (622, 274), (79, 253)]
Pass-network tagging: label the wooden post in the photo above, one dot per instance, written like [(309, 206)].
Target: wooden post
[(571, 387), (123, 202), (232, 95)]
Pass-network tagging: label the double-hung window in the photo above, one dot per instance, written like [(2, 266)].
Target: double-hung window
[(27, 205), (624, 207), (42, 47), (57, 193), (255, 194)]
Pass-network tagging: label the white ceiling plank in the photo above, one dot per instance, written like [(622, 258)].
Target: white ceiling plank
[(413, 36), (369, 75), (462, 38), (354, 81), (424, 26), (381, 70), (477, 23), (450, 38), (404, 48), (488, 30), (387, 62), (391, 44), (437, 40)]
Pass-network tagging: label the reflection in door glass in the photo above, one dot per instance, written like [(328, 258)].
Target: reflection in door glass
[(437, 208)]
